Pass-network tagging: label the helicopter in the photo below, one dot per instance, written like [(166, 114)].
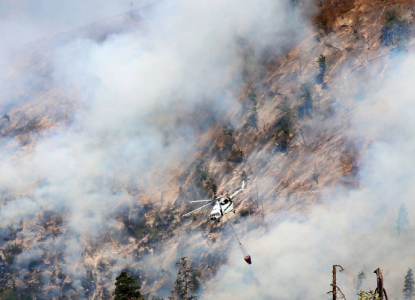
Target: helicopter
[(223, 205)]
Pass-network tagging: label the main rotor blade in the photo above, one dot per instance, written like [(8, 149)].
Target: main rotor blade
[(201, 200), (197, 209)]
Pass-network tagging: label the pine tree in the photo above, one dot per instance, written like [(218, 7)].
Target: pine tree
[(305, 97), (322, 69), (185, 282), (396, 30), (125, 288), (360, 278), (408, 290), (403, 223)]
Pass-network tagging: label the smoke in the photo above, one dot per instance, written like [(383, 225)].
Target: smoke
[(132, 103), (355, 228), (114, 114), (28, 21)]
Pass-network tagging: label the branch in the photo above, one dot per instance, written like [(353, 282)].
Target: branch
[(305, 146), (341, 291), (340, 267)]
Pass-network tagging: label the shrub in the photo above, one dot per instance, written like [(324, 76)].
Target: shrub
[(237, 155), (244, 212)]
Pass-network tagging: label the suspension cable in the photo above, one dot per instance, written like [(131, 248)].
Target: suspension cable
[(230, 223)]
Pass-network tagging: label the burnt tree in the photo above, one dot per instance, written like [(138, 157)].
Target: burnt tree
[(335, 288), (380, 289)]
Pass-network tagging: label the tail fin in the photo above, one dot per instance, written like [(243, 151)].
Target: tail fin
[(244, 176)]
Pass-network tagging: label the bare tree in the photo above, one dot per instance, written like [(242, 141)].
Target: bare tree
[(380, 289), (334, 284)]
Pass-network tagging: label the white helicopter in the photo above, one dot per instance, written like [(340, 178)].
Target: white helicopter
[(223, 205)]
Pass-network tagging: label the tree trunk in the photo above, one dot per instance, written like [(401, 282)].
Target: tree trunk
[(334, 284), (380, 289)]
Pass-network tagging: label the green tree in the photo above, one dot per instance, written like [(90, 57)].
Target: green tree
[(403, 222), (408, 290), (126, 288)]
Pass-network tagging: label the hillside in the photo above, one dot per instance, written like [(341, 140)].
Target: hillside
[(111, 129)]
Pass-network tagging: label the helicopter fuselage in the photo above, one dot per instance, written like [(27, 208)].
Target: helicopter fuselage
[(222, 207)]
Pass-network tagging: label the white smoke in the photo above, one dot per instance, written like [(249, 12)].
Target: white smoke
[(355, 228), (124, 98)]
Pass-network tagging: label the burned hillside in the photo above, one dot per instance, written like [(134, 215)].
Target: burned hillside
[(109, 131)]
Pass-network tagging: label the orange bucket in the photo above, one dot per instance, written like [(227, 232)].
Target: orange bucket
[(248, 259)]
